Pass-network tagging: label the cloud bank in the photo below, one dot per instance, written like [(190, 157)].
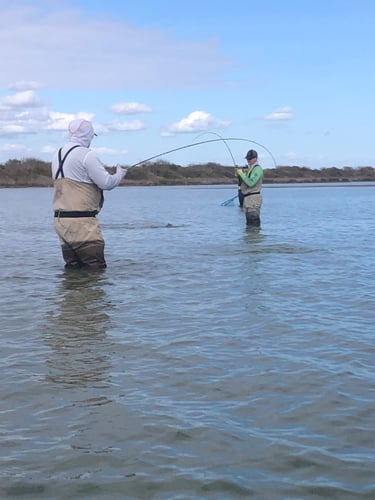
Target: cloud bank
[(67, 49)]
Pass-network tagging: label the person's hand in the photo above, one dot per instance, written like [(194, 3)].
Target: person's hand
[(111, 170), (239, 171), (121, 170)]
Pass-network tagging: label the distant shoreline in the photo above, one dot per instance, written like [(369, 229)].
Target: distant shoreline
[(281, 185), (35, 173)]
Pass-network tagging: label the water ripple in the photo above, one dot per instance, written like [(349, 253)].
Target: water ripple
[(207, 361)]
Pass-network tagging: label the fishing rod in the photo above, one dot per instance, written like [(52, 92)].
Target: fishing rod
[(222, 139), (231, 200)]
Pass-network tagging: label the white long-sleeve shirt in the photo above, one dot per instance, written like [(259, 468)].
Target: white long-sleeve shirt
[(83, 165)]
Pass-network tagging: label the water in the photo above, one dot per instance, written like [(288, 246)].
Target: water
[(207, 362)]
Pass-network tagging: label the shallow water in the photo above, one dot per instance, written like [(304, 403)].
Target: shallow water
[(207, 361)]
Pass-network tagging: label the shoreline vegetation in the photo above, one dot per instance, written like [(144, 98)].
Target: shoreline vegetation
[(31, 172)]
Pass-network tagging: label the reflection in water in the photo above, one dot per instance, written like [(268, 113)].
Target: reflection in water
[(253, 236), (253, 233), (76, 330)]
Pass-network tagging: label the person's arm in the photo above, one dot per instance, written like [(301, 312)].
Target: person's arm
[(238, 172), (99, 175), (255, 176)]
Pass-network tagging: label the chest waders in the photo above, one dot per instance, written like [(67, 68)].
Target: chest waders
[(73, 213), (252, 201), (79, 231)]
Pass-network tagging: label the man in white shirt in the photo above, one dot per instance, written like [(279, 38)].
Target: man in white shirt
[(79, 180)]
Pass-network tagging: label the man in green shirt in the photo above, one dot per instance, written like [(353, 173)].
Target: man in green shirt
[(251, 178)]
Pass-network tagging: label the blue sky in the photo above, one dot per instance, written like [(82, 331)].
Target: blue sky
[(296, 76)]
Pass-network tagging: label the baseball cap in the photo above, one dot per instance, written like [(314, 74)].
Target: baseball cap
[(251, 154)]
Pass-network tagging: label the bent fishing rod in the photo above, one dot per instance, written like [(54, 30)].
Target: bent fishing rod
[(220, 139)]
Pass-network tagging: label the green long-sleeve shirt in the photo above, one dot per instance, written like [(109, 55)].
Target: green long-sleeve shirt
[(252, 177)]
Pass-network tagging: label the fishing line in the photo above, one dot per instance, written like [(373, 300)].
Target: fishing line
[(222, 139), (231, 201)]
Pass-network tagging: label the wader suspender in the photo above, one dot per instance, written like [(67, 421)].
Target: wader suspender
[(74, 213), (61, 161), (248, 175)]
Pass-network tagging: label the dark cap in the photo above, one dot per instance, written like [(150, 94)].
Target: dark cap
[(251, 154)]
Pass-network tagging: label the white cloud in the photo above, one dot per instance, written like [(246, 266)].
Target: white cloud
[(130, 108), (18, 117), (291, 155), (285, 113), (67, 49), (197, 121), (101, 151), (24, 85), (130, 126), (12, 148), (25, 99), (48, 149), (18, 121), (60, 121), (12, 128)]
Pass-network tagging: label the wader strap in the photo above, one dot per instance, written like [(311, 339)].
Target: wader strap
[(61, 162), (249, 194), (75, 213)]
